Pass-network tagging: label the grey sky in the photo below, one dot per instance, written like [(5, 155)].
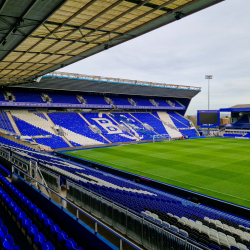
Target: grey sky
[(213, 41)]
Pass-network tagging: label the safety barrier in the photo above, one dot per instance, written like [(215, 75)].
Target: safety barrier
[(140, 230), (79, 213), (52, 180)]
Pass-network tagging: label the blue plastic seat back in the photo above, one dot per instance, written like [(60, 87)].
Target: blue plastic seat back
[(4, 229), (49, 244), (73, 243), (27, 222), (32, 230), (10, 240), (55, 229), (45, 246), (16, 247), (48, 222), (6, 245), (62, 236), (39, 239), (69, 245)]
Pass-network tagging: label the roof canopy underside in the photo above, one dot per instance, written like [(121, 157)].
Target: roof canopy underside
[(86, 85), (38, 37)]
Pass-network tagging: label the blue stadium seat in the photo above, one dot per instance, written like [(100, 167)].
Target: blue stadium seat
[(62, 237), (32, 230), (8, 243), (48, 223), (3, 232), (70, 244), (47, 246), (39, 239), (55, 229)]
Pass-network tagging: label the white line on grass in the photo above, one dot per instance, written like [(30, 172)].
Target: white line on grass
[(174, 180)]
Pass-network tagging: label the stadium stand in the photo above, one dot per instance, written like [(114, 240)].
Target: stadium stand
[(109, 129), (147, 118), (99, 100), (69, 129), (162, 102), (63, 98), (188, 132), (19, 206), (2, 99), (209, 227), (142, 101), (75, 125), (178, 120), (120, 101), (53, 141), (135, 126), (247, 134), (244, 119), (27, 97), (5, 122)]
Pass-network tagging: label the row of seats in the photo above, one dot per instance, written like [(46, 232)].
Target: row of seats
[(6, 240), (214, 234), (68, 98), (188, 132), (37, 238), (14, 144), (75, 123), (4, 171), (5, 122), (77, 127)]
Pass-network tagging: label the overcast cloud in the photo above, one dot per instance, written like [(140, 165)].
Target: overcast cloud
[(213, 41)]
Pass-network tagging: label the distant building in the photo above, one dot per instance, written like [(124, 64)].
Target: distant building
[(224, 121)]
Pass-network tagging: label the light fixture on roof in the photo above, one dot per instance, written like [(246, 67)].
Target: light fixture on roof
[(179, 15)]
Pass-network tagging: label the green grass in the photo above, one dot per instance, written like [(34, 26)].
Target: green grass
[(217, 167)]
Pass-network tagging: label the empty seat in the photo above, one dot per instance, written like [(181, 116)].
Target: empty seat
[(62, 237), (183, 232), (8, 243)]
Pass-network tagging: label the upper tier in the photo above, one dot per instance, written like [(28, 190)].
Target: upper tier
[(47, 98)]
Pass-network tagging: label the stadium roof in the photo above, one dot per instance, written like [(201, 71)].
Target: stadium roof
[(240, 106), (99, 84), (38, 37), (237, 108)]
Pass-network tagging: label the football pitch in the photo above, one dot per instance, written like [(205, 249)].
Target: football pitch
[(218, 167)]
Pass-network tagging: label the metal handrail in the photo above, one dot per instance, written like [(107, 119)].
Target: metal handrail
[(99, 222)]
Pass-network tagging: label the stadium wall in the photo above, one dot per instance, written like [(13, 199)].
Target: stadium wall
[(187, 194)]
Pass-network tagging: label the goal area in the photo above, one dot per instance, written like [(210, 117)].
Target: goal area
[(164, 137)]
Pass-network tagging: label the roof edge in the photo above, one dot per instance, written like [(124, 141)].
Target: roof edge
[(117, 80)]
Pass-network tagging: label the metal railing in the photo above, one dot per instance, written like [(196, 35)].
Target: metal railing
[(79, 213), (140, 230), (134, 226)]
